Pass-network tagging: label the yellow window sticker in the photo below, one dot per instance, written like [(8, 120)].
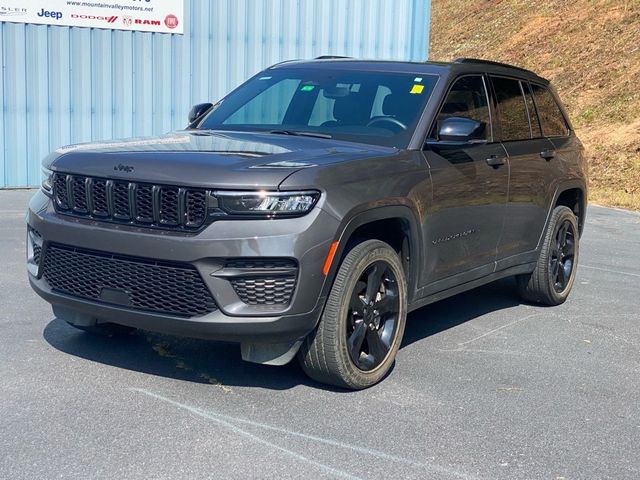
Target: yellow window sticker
[(417, 89)]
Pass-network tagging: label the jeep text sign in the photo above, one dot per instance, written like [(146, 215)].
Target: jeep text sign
[(162, 16)]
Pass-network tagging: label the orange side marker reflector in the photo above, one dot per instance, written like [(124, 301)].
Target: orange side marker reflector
[(329, 259)]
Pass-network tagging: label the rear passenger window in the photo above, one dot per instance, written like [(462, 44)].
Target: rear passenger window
[(551, 118), (467, 98), (514, 121)]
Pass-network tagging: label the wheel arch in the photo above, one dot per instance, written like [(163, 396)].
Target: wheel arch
[(396, 225), (574, 196)]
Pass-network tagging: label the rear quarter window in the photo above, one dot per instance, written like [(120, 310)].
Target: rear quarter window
[(551, 118)]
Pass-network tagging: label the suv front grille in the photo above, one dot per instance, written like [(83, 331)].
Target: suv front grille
[(142, 204), (136, 283)]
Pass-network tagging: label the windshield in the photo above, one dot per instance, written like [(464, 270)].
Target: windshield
[(359, 106)]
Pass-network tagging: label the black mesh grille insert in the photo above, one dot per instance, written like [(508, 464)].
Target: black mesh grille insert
[(176, 289), (158, 206), (99, 195), (264, 287), (144, 203), (37, 250), (196, 208), (121, 208), (265, 290), (79, 189), (60, 188), (169, 206)]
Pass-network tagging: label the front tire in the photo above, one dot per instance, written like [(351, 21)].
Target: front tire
[(363, 322), (551, 281)]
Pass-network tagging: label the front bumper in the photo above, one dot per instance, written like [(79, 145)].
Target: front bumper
[(305, 239), (213, 326)]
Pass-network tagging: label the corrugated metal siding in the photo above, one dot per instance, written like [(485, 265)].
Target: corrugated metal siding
[(63, 85)]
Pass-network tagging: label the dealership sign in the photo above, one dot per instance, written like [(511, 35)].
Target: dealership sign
[(164, 16)]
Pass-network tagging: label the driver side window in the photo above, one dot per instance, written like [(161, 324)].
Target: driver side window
[(468, 99)]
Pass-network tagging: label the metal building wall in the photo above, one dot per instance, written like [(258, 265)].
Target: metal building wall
[(62, 85)]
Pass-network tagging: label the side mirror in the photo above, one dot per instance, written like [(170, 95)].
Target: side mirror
[(198, 111), (461, 130)]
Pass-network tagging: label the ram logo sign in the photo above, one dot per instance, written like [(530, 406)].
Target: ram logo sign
[(159, 16), (143, 21)]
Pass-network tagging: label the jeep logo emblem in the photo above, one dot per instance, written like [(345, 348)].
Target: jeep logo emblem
[(123, 168)]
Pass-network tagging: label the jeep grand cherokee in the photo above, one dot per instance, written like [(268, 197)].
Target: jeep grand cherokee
[(313, 207)]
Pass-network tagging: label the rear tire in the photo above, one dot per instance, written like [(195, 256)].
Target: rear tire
[(105, 329), (551, 281), (356, 341)]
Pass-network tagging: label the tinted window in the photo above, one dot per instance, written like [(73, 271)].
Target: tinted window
[(361, 106), (551, 117), (514, 121), (322, 112), (378, 102), (268, 107), (533, 114), (467, 98)]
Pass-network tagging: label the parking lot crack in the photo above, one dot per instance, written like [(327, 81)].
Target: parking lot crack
[(229, 421), (491, 332)]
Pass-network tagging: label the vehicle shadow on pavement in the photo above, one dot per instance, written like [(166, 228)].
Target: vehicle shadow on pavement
[(456, 310), (219, 364), (186, 359)]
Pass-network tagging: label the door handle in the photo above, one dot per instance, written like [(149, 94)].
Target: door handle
[(496, 160), (548, 154)]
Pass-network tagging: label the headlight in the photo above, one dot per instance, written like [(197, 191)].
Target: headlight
[(47, 181), (267, 203)]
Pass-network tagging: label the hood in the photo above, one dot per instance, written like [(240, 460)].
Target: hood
[(211, 159)]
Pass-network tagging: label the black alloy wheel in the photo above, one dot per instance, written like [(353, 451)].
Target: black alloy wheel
[(561, 259), (372, 316), (554, 273), (361, 328)]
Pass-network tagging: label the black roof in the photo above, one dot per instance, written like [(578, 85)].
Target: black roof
[(458, 66)]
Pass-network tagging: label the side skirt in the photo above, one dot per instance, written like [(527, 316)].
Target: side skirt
[(463, 287)]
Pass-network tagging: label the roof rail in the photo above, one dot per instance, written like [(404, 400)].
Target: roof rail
[(491, 62), (283, 62), (328, 57)]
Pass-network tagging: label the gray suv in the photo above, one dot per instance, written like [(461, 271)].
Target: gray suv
[(313, 207)]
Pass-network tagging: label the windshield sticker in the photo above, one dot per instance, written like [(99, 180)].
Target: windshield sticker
[(264, 78), (417, 79), (307, 88), (417, 89)]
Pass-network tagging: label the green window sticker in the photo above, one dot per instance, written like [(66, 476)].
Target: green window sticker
[(307, 88)]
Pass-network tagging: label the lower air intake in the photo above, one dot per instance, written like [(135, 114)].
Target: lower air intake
[(136, 283)]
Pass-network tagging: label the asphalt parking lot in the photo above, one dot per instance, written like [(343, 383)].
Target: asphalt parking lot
[(484, 387)]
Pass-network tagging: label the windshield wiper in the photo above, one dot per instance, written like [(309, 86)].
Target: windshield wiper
[(299, 133)]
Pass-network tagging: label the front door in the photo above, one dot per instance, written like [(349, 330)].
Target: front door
[(470, 185)]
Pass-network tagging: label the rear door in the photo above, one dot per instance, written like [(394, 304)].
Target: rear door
[(532, 171), (469, 195)]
